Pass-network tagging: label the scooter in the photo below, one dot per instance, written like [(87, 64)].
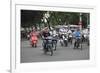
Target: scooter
[(64, 40), (70, 38), (34, 41), (54, 41), (78, 43), (47, 45)]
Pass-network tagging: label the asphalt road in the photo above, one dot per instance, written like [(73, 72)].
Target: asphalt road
[(30, 54)]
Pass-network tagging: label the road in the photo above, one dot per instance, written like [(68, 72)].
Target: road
[(30, 54)]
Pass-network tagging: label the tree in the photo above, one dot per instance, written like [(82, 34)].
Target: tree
[(32, 18)]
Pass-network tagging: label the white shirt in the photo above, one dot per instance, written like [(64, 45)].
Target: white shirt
[(61, 30), (69, 31), (54, 31)]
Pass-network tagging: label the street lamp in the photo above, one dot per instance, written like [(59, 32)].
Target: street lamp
[(80, 21)]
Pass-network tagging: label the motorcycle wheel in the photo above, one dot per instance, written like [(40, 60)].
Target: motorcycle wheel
[(32, 45), (74, 45), (77, 44), (45, 51), (66, 43), (51, 51), (35, 45), (55, 45)]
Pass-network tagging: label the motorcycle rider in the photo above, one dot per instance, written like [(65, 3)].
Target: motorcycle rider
[(63, 39), (33, 37), (77, 36), (45, 34)]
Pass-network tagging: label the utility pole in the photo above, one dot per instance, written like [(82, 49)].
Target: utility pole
[(87, 20)]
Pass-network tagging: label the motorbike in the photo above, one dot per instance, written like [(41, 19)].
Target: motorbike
[(47, 45), (34, 41), (70, 38), (54, 41), (64, 40), (83, 38), (78, 43)]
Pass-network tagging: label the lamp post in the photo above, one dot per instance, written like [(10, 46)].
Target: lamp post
[(80, 21)]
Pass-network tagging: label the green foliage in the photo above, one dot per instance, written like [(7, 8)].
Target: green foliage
[(32, 18)]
